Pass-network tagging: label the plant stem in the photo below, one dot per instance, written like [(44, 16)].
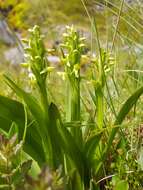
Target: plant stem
[(44, 97), (73, 112), (100, 108), (25, 125), (46, 139), (117, 24)]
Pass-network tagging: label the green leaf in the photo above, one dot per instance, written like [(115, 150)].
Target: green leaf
[(122, 185), (66, 140), (91, 144), (115, 180), (93, 97), (93, 186), (12, 111), (39, 117), (91, 150), (31, 102), (13, 130), (76, 182)]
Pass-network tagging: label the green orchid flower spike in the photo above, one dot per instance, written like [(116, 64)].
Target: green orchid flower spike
[(72, 50)]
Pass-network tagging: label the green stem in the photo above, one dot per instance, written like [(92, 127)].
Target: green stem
[(46, 136), (117, 24), (100, 108), (26, 123), (44, 97), (46, 141), (75, 102), (73, 108)]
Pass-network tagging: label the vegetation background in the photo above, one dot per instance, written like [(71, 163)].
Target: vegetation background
[(110, 85)]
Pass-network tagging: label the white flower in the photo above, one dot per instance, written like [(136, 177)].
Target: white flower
[(62, 74), (31, 76), (68, 64)]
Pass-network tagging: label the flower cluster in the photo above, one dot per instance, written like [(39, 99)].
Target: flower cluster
[(102, 67), (36, 56), (73, 47)]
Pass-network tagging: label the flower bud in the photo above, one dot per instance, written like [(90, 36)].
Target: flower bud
[(24, 65), (62, 74), (48, 69)]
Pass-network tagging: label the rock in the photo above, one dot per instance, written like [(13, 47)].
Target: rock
[(13, 56), (53, 59), (6, 35)]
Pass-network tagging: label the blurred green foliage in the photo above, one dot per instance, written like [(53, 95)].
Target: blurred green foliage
[(48, 14), (15, 12)]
